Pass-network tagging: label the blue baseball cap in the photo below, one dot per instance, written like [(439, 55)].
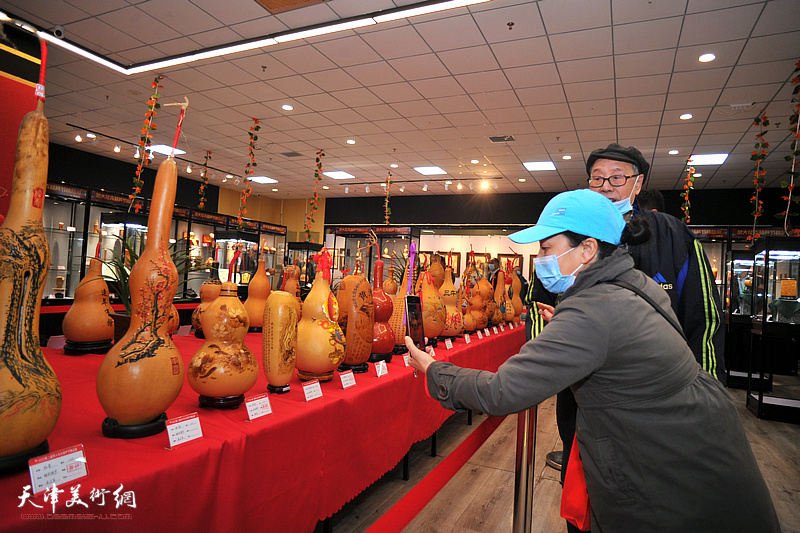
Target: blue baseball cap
[(583, 212)]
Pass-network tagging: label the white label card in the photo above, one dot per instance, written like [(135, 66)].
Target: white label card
[(380, 369), (480, 335), (511, 325), (348, 379), (502, 328), (448, 343), (486, 332), (406, 360), (258, 406), (466, 338), (57, 468), (494, 330), (183, 430), (312, 390)]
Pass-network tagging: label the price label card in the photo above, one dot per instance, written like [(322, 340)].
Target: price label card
[(348, 379), (466, 338), (502, 328), (312, 390), (433, 352), (258, 406), (480, 335), (448, 343), (183, 430), (380, 369), (406, 360), (57, 468), (486, 332), (494, 330), (511, 325)]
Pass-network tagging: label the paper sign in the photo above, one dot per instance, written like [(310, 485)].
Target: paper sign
[(466, 338), (480, 335), (348, 379), (312, 390), (486, 332), (57, 468), (406, 360), (511, 325), (448, 343), (433, 352), (184, 331), (380, 369), (183, 430), (502, 328), (494, 330), (258, 406)]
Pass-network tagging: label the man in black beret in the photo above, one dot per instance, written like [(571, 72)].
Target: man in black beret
[(673, 257)]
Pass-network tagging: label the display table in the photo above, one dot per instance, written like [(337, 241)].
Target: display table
[(282, 472)]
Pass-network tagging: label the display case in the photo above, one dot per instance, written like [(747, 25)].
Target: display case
[(272, 245), (201, 237), (63, 220), (302, 255), (737, 297), (393, 242), (773, 390), (238, 254)]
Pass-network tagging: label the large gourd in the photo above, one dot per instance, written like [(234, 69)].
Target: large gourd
[(224, 368), (382, 334), (143, 373), (516, 300), (209, 291), (399, 310), (390, 284), (437, 271), (508, 304), (30, 395), (257, 293), (88, 326), (434, 315), (320, 340), (479, 298), (356, 318), (279, 340), (454, 323)]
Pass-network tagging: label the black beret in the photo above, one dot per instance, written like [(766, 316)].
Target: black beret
[(617, 152)]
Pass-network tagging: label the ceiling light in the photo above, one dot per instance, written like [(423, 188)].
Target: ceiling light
[(236, 181), (484, 185), (495, 185), (424, 10), (471, 186), (4, 17), (425, 187), (163, 149), (383, 185), (78, 137), (522, 180), (393, 165), (402, 188), (263, 179), (346, 189), (117, 148), (706, 58), (226, 178), (707, 159), (459, 186), (188, 169), (49, 37), (333, 28), (447, 186), (366, 189), (698, 175), (339, 175), (137, 154), (94, 142), (429, 171), (539, 165), (274, 190), (673, 152), (566, 157), (474, 161), (325, 187), (448, 182), (685, 116), (351, 141), (287, 107), (91, 136)]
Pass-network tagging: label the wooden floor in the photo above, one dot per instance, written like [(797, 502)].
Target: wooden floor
[(480, 497)]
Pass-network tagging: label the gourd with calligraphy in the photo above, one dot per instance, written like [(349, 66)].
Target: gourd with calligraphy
[(434, 314), (396, 321), (279, 340), (454, 323), (356, 317)]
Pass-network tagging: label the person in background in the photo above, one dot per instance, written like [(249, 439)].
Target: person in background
[(494, 268), (660, 439), (672, 257), (524, 282), (651, 199)]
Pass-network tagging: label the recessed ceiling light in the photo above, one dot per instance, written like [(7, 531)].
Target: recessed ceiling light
[(698, 175), (274, 190), (263, 179), (539, 165), (287, 107), (708, 159), (351, 141), (339, 175), (474, 161), (566, 157), (429, 171), (686, 116), (325, 187), (706, 58), (163, 149), (393, 165), (673, 152), (522, 180)]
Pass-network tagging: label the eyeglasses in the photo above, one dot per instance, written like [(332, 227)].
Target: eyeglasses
[(615, 181)]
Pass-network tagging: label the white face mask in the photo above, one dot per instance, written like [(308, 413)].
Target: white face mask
[(625, 205)]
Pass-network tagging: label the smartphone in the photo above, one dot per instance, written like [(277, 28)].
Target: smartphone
[(414, 326)]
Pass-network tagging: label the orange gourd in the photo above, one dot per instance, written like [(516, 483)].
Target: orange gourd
[(279, 340), (390, 284), (88, 326), (516, 300), (320, 341), (399, 310), (454, 323), (434, 314), (257, 293), (382, 334), (173, 320), (209, 291), (356, 317)]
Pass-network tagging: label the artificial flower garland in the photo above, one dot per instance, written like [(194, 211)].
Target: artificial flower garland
[(144, 144), (248, 170), (386, 211), (204, 180), (794, 127), (758, 155), (314, 201), (689, 185)]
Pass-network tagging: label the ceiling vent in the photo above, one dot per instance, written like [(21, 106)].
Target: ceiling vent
[(502, 139), (291, 154)]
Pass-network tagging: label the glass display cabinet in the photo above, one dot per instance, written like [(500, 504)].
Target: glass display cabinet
[(737, 297), (272, 246), (201, 237), (302, 255), (393, 243), (773, 389), (238, 255), (63, 222)]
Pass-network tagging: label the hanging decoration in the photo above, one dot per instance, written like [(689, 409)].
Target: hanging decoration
[(386, 211), (145, 140), (689, 185), (314, 201), (248, 170), (204, 181), (794, 127), (758, 155)]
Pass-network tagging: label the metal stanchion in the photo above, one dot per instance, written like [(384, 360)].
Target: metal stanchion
[(523, 479)]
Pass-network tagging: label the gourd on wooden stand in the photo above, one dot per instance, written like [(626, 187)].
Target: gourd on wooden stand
[(257, 293), (279, 340), (209, 291), (30, 395), (88, 326), (224, 368), (143, 373), (356, 317)]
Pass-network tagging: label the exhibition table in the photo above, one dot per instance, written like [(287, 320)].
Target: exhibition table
[(282, 472)]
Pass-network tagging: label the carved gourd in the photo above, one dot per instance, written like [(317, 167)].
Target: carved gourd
[(398, 312), (434, 315), (173, 320), (257, 293), (516, 300), (209, 291), (356, 318), (437, 271), (320, 340), (382, 334), (390, 284), (279, 340), (454, 323), (88, 326)]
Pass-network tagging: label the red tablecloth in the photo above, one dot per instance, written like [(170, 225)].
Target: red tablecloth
[(282, 472)]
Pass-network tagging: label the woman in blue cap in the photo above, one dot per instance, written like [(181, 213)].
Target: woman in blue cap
[(662, 446)]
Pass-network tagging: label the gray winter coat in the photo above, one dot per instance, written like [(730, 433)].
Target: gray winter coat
[(662, 446)]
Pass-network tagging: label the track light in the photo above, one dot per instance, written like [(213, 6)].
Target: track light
[(366, 189), (425, 187), (402, 188), (116, 148), (447, 186), (78, 137), (471, 186), (495, 185), (137, 154), (188, 169), (236, 181), (91, 136), (459, 186), (346, 189)]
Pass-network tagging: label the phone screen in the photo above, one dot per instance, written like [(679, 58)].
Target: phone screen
[(414, 325)]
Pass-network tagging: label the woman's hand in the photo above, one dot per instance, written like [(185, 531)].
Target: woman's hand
[(546, 311), (417, 358)]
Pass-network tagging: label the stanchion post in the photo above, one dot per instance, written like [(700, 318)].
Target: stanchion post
[(523, 479)]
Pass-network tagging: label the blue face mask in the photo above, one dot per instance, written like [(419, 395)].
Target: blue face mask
[(549, 273), (625, 205)]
